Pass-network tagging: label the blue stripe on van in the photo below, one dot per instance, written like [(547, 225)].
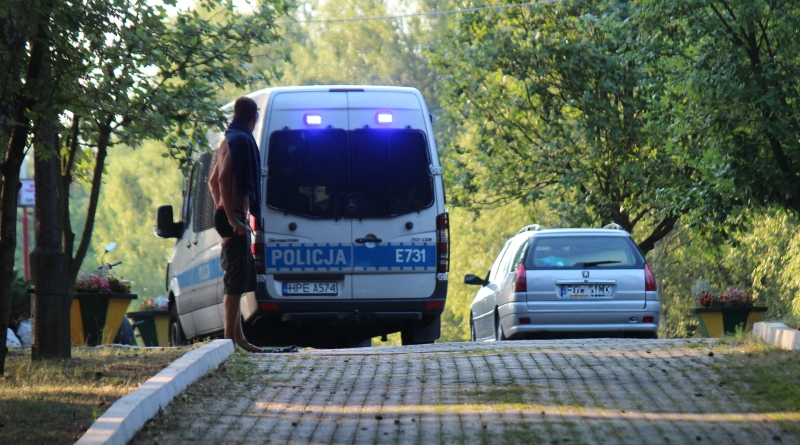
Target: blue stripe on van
[(341, 257), (316, 257), (395, 256), (207, 271)]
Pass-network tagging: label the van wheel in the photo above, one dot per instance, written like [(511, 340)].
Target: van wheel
[(176, 337), (472, 336), (499, 335), (361, 344), (406, 338)]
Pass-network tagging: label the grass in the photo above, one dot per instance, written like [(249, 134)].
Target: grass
[(792, 321), (767, 377), (55, 401)]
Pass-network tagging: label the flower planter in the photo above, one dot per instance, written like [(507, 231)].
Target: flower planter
[(151, 328), (718, 321), (95, 317)]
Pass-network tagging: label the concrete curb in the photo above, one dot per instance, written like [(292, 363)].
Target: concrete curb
[(127, 415), (777, 334)]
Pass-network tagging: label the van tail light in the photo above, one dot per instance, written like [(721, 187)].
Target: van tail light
[(258, 246), (649, 279), (442, 243), (521, 280)]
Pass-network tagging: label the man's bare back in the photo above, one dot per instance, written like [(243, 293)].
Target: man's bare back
[(223, 189)]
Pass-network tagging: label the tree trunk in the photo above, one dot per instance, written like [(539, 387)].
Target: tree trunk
[(94, 197), (8, 230), (49, 264), (22, 104), (65, 181)]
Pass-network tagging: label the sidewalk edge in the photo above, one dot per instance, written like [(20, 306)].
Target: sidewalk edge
[(127, 415), (777, 334)]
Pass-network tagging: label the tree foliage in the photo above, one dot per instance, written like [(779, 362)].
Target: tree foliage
[(137, 181), (556, 103), (735, 62), (113, 72), (191, 57)]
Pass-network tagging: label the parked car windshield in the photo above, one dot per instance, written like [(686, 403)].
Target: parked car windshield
[(583, 252), (383, 171)]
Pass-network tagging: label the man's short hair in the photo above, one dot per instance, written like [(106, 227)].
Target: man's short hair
[(245, 109)]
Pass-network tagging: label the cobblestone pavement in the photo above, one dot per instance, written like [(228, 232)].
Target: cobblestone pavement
[(564, 391)]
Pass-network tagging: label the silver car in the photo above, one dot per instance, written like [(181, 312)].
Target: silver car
[(566, 282)]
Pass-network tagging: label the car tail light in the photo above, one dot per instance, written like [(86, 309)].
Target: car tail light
[(647, 319), (269, 306), (258, 246), (442, 243), (434, 304), (649, 279), (524, 320), (521, 280)]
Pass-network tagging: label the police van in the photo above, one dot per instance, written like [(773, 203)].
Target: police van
[(354, 241)]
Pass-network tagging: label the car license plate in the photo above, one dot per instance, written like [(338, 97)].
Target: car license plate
[(306, 288), (587, 290)]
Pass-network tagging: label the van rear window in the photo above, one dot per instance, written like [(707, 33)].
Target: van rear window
[(390, 169), (364, 173), (308, 171), (584, 252)]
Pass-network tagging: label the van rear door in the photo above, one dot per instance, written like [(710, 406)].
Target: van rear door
[(392, 204), (307, 240)]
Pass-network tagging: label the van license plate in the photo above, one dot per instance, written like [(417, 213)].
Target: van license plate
[(310, 288), (587, 290)]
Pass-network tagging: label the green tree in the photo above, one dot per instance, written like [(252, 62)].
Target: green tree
[(555, 102), (116, 72), (193, 55), (136, 182), (735, 62)]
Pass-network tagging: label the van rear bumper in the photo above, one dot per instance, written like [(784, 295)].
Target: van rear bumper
[(366, 310)]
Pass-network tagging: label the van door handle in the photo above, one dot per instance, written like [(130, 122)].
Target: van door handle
[(369, 239)]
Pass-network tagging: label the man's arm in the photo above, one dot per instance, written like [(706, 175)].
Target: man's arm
[(213, 183), (224, 170)]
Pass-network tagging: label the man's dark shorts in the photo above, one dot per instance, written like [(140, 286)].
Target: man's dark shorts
[(236, 259)]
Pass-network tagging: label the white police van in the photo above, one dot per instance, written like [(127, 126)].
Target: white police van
[(355, 239)]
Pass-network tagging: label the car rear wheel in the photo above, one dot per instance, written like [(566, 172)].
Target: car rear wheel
[(472, 336), (176, 337), (499, 335)]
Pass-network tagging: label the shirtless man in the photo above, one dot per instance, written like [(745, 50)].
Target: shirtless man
[(236, 188)]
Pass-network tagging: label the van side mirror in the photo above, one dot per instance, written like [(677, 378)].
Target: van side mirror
[(474, 280), (166, 227)]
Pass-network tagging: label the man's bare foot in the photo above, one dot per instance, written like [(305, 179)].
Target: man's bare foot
[(248, 347)]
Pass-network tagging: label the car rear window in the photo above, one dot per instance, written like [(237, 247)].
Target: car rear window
[(364, 173), (583, 252)]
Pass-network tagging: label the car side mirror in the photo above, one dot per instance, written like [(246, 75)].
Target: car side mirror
[(166, 227), (474, 280)]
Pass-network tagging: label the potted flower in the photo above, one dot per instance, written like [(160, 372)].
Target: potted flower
[(151, 322), (98, 306), (723, 312)]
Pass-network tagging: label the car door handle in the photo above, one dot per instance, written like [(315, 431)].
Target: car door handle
[(369, 239)]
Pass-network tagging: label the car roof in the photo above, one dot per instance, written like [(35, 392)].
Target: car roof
[(576, 232)]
